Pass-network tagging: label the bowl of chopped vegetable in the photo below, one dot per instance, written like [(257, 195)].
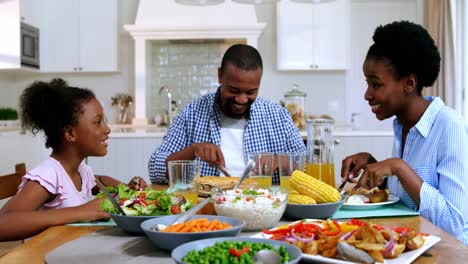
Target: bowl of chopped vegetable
[(233, 250), (259, 208), (140, 206), (196, 228)]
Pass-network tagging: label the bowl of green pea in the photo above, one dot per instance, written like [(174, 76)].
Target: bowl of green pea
[(232, 250)]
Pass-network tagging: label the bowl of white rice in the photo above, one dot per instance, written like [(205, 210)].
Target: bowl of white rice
[(259, 208)]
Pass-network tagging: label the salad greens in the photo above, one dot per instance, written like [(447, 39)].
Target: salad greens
[(147, 202)]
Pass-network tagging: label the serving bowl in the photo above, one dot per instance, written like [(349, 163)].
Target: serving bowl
[(294, 253), (312, 211), (131, 224), (259, 208), (168, 241)]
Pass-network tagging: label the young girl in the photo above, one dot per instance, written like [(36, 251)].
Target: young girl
[(429, 171), (59, 189)]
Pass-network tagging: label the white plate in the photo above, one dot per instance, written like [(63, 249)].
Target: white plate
[(391, 200), (404, 258)]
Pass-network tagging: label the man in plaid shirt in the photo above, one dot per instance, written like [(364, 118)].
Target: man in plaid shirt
[(220, 129)]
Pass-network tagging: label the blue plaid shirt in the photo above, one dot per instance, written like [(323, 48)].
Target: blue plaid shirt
[(437, 150), (269, 129)]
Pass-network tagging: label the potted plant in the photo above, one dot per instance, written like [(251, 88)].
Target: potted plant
[(8, 116)]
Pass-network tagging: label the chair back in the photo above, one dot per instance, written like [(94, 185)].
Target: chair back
[(9, 183)]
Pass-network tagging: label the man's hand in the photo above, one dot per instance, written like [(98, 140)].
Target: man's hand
[(209, 153)]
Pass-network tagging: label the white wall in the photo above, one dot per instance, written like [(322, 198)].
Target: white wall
[(322, 87)]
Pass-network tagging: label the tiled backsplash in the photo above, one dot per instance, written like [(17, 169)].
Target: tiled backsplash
[(188, 68)]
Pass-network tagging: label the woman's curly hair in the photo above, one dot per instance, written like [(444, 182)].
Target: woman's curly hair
[(410, 49), (50, 107)]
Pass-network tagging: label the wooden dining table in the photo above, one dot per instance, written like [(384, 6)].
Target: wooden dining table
[(34, 250)]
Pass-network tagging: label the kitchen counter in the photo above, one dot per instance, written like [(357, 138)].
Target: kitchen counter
[(119, 131), (157, 131)]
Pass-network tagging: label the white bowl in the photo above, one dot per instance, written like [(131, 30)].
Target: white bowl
[(257, 210)]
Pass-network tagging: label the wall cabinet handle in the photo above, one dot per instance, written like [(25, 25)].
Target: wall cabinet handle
[(336, 142)]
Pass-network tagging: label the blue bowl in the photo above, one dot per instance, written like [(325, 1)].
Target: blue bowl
[(131, 224), (169, 241), (180, 252), (312, 211)]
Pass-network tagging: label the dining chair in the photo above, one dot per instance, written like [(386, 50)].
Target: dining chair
[(9, 183), (9, 187)]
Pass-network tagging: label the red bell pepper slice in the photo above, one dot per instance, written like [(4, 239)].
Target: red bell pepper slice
[(284, 231), (238, 253), (356, 222)]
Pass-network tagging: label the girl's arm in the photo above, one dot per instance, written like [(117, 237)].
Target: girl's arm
[(20, 218), (136, 183)]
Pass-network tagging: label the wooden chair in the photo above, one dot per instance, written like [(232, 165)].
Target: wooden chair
[(9, 187), (9, 183)]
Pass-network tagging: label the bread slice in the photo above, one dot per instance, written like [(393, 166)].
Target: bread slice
[(204, 185)]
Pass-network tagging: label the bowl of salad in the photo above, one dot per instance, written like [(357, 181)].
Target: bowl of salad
[(140, 206), (259, 208)]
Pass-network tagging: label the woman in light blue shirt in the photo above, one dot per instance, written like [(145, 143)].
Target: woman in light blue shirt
[(429, 168)]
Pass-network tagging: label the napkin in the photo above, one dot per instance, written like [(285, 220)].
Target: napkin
[(109, 222), (396, 209)]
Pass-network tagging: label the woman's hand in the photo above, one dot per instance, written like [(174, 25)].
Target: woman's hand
[(375, 173), (91, 211), (210, 153), (351, 165), (137, 183)]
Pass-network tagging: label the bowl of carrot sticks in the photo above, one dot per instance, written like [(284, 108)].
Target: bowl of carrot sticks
[(195, 228)]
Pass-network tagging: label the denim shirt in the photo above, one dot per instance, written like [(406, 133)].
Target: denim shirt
[(436, 148)]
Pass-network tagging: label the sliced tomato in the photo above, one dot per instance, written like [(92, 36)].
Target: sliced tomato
[(175, 209), (142, 195)]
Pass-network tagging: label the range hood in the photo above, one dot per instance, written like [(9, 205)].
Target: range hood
[(169, 20)]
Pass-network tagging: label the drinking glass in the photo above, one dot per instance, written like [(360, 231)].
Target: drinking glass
[(287, 163), (181, 175), (264, 168)]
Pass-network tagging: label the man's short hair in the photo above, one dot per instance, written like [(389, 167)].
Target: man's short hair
[(242, 56)]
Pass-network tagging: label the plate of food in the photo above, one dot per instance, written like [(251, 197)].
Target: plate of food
[(330, 241), (232, 249), (205, 185), (363, 199), (140, 206)]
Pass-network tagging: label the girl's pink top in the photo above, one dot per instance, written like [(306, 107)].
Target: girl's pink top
[(51, 175)]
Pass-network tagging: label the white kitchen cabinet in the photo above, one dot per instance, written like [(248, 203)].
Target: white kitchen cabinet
[(18, 148), (80, 36), (313, 36), (12, 13), (31, 12), (380, 147), (126, 157)]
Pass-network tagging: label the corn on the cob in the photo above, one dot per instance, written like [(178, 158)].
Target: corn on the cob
[(300, 199), (308, 185), (292, 190)]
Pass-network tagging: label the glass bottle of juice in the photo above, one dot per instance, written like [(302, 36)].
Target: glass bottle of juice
[(320, 148)]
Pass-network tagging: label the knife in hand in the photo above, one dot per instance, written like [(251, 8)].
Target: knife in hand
[(109, 196)]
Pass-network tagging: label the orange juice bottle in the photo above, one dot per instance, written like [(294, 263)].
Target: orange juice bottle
[(322, 171)]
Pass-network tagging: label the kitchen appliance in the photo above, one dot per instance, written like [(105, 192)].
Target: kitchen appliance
[(320, 146), (29, 45)]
